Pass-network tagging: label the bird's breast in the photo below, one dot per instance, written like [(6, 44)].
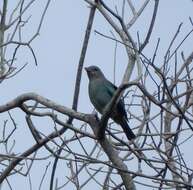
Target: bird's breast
[(98, 95)]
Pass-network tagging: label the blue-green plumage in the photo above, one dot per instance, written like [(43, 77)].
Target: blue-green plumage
[(100, 92)]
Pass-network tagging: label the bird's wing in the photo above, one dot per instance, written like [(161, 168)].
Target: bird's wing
[(111, 88)]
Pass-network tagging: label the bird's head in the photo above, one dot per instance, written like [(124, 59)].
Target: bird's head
[(94, 72)]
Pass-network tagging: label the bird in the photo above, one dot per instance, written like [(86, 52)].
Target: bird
[(101, 90)]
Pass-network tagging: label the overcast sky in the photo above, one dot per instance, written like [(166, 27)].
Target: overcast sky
[(58, 47)]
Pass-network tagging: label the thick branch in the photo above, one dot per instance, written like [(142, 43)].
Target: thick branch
[(114, 157), (18, 101)]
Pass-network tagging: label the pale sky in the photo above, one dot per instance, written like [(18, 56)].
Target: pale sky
[(57, 49)]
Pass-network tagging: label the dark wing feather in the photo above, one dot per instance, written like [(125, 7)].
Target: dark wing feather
[(120, 106)]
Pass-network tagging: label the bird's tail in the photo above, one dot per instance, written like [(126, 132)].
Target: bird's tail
[(129, 133)]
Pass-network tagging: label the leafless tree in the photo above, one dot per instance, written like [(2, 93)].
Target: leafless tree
[(159, 104)]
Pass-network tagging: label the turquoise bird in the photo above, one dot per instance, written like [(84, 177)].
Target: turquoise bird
[(101, 91)]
